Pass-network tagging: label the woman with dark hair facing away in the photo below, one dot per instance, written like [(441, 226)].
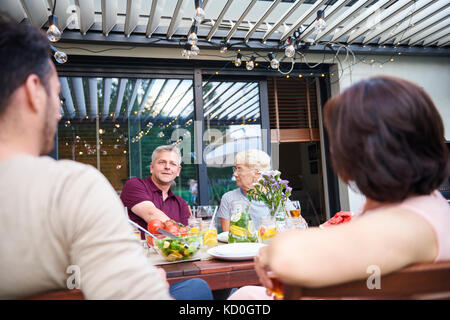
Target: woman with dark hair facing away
[(387, 139)]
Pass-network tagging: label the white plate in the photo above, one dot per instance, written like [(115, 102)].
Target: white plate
[(236, 251), (223, 237)]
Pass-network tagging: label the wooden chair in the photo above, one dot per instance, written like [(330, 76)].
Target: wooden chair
[(419, 281), (74, 294)]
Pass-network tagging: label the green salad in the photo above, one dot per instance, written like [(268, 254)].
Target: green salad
[(173, 249)]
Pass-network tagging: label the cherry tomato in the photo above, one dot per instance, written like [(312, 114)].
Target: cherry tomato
[(184, 231), (173, 229), (153, 226), (170, 223)]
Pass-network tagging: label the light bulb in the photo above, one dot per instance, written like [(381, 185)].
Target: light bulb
[(195, 50), (53, 33), (289, 51), (223, 49), (238, 60), (275, 64), (60, 57), (186, 52), (192, 38), (249, 65), (199, 14), (321, 24)]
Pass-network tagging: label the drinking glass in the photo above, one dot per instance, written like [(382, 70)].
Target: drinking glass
[(267, 229), (295, 209), (194, 224), (205, 211), (277, 289)]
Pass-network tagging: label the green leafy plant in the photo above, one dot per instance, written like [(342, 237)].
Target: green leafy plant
[(272, 190)]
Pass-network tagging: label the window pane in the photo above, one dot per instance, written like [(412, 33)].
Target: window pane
[(115, 124), (232, 124)]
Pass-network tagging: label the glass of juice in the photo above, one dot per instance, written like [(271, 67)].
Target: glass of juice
[(295, 210), (277, 289)]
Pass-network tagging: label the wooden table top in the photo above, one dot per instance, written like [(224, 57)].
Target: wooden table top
[(219, 274)]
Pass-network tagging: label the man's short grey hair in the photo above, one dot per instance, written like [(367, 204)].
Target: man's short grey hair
[(171, 148)]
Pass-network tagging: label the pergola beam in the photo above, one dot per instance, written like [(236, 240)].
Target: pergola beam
[(263, 17), (362, 18), (93, 97), (85, 15), (330, 13), (385, 15), (219, 20), (417, 30), (132, 16), (396, 20), (122, 87), (154, 18), (77, 84), (425, 16), (65, 90), (239, 21), (342, 18), (109, 15), (430, 33), (36, 11), (175, 20), (144, 99), (107, 85), (133, 97), (229, 102), (283, 19)]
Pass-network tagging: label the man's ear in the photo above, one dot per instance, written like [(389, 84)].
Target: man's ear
[(34, 93), (151, 167)]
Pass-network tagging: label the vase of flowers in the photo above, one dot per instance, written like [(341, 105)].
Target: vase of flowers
[(274, 192)]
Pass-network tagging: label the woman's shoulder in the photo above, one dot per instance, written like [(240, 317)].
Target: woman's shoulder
[(231, 195)]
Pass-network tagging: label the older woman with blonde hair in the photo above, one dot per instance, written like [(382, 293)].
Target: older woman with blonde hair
[(248, 167)]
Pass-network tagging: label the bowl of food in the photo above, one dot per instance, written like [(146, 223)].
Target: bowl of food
[(183, 248)]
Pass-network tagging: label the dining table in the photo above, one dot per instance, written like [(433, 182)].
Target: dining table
[(219, 274)]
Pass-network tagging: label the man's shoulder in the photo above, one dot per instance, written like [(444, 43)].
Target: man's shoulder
[(134, 181), (61, 166)]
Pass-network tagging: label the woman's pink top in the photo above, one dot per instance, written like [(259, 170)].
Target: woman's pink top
[(435, 209)]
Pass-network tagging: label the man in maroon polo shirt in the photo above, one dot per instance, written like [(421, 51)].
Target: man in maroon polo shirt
[(151, 198)]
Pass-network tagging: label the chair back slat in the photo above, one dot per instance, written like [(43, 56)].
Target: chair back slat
[(420, 281), (74, 294)]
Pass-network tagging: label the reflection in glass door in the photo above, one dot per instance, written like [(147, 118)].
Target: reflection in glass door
[(232, 123), (115, 124)]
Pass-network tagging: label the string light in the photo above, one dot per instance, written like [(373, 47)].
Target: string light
[(60, 57), (199, 12), (195, 50), (321, 24), (274, 63), (238, 60), (290, 49), (249, 65), (192, 37), (53, 32), (224, 48), (186, 52)]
